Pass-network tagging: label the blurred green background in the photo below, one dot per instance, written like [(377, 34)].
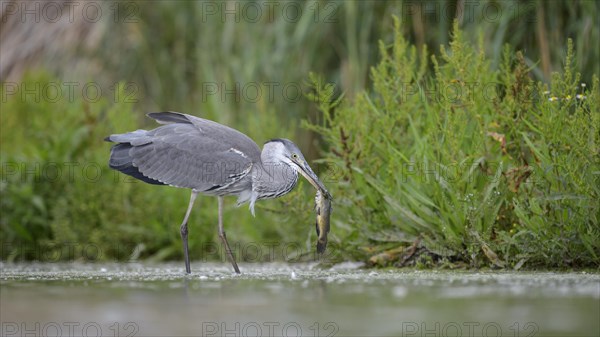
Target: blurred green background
[(524, 159)]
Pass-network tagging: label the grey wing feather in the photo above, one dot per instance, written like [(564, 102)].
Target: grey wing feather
[(169, 117), (135, 138), (213, 130), (190, 152)]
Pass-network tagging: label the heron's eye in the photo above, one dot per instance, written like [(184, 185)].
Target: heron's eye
[(295, 156)]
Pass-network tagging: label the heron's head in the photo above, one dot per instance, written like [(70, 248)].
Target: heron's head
[(285, 151)]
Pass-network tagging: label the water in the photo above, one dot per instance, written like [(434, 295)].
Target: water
[(291, 300)]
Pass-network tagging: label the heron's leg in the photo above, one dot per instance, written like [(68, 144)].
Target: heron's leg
[(224, 237), (184, 232)]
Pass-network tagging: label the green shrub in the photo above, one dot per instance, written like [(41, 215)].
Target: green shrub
[(465, 163)]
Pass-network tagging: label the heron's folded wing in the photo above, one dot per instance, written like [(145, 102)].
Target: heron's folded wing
[(180, 155), (218, 132)]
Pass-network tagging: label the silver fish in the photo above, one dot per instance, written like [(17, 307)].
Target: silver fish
[(323, 209)]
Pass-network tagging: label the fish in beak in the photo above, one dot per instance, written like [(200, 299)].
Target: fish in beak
[(322, 203), (323, 209)]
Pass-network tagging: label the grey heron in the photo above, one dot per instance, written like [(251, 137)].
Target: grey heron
[(212, 159)]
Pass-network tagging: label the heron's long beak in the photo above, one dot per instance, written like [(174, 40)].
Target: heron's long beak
[(312, 178)]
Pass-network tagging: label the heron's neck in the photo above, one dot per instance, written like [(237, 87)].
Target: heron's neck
[(274, 180), (271, 178)]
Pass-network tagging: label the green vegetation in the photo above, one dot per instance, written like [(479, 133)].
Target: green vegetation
[(473, 154), (466, 164)]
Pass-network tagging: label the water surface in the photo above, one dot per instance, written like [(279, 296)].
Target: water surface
[(291, 300)]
